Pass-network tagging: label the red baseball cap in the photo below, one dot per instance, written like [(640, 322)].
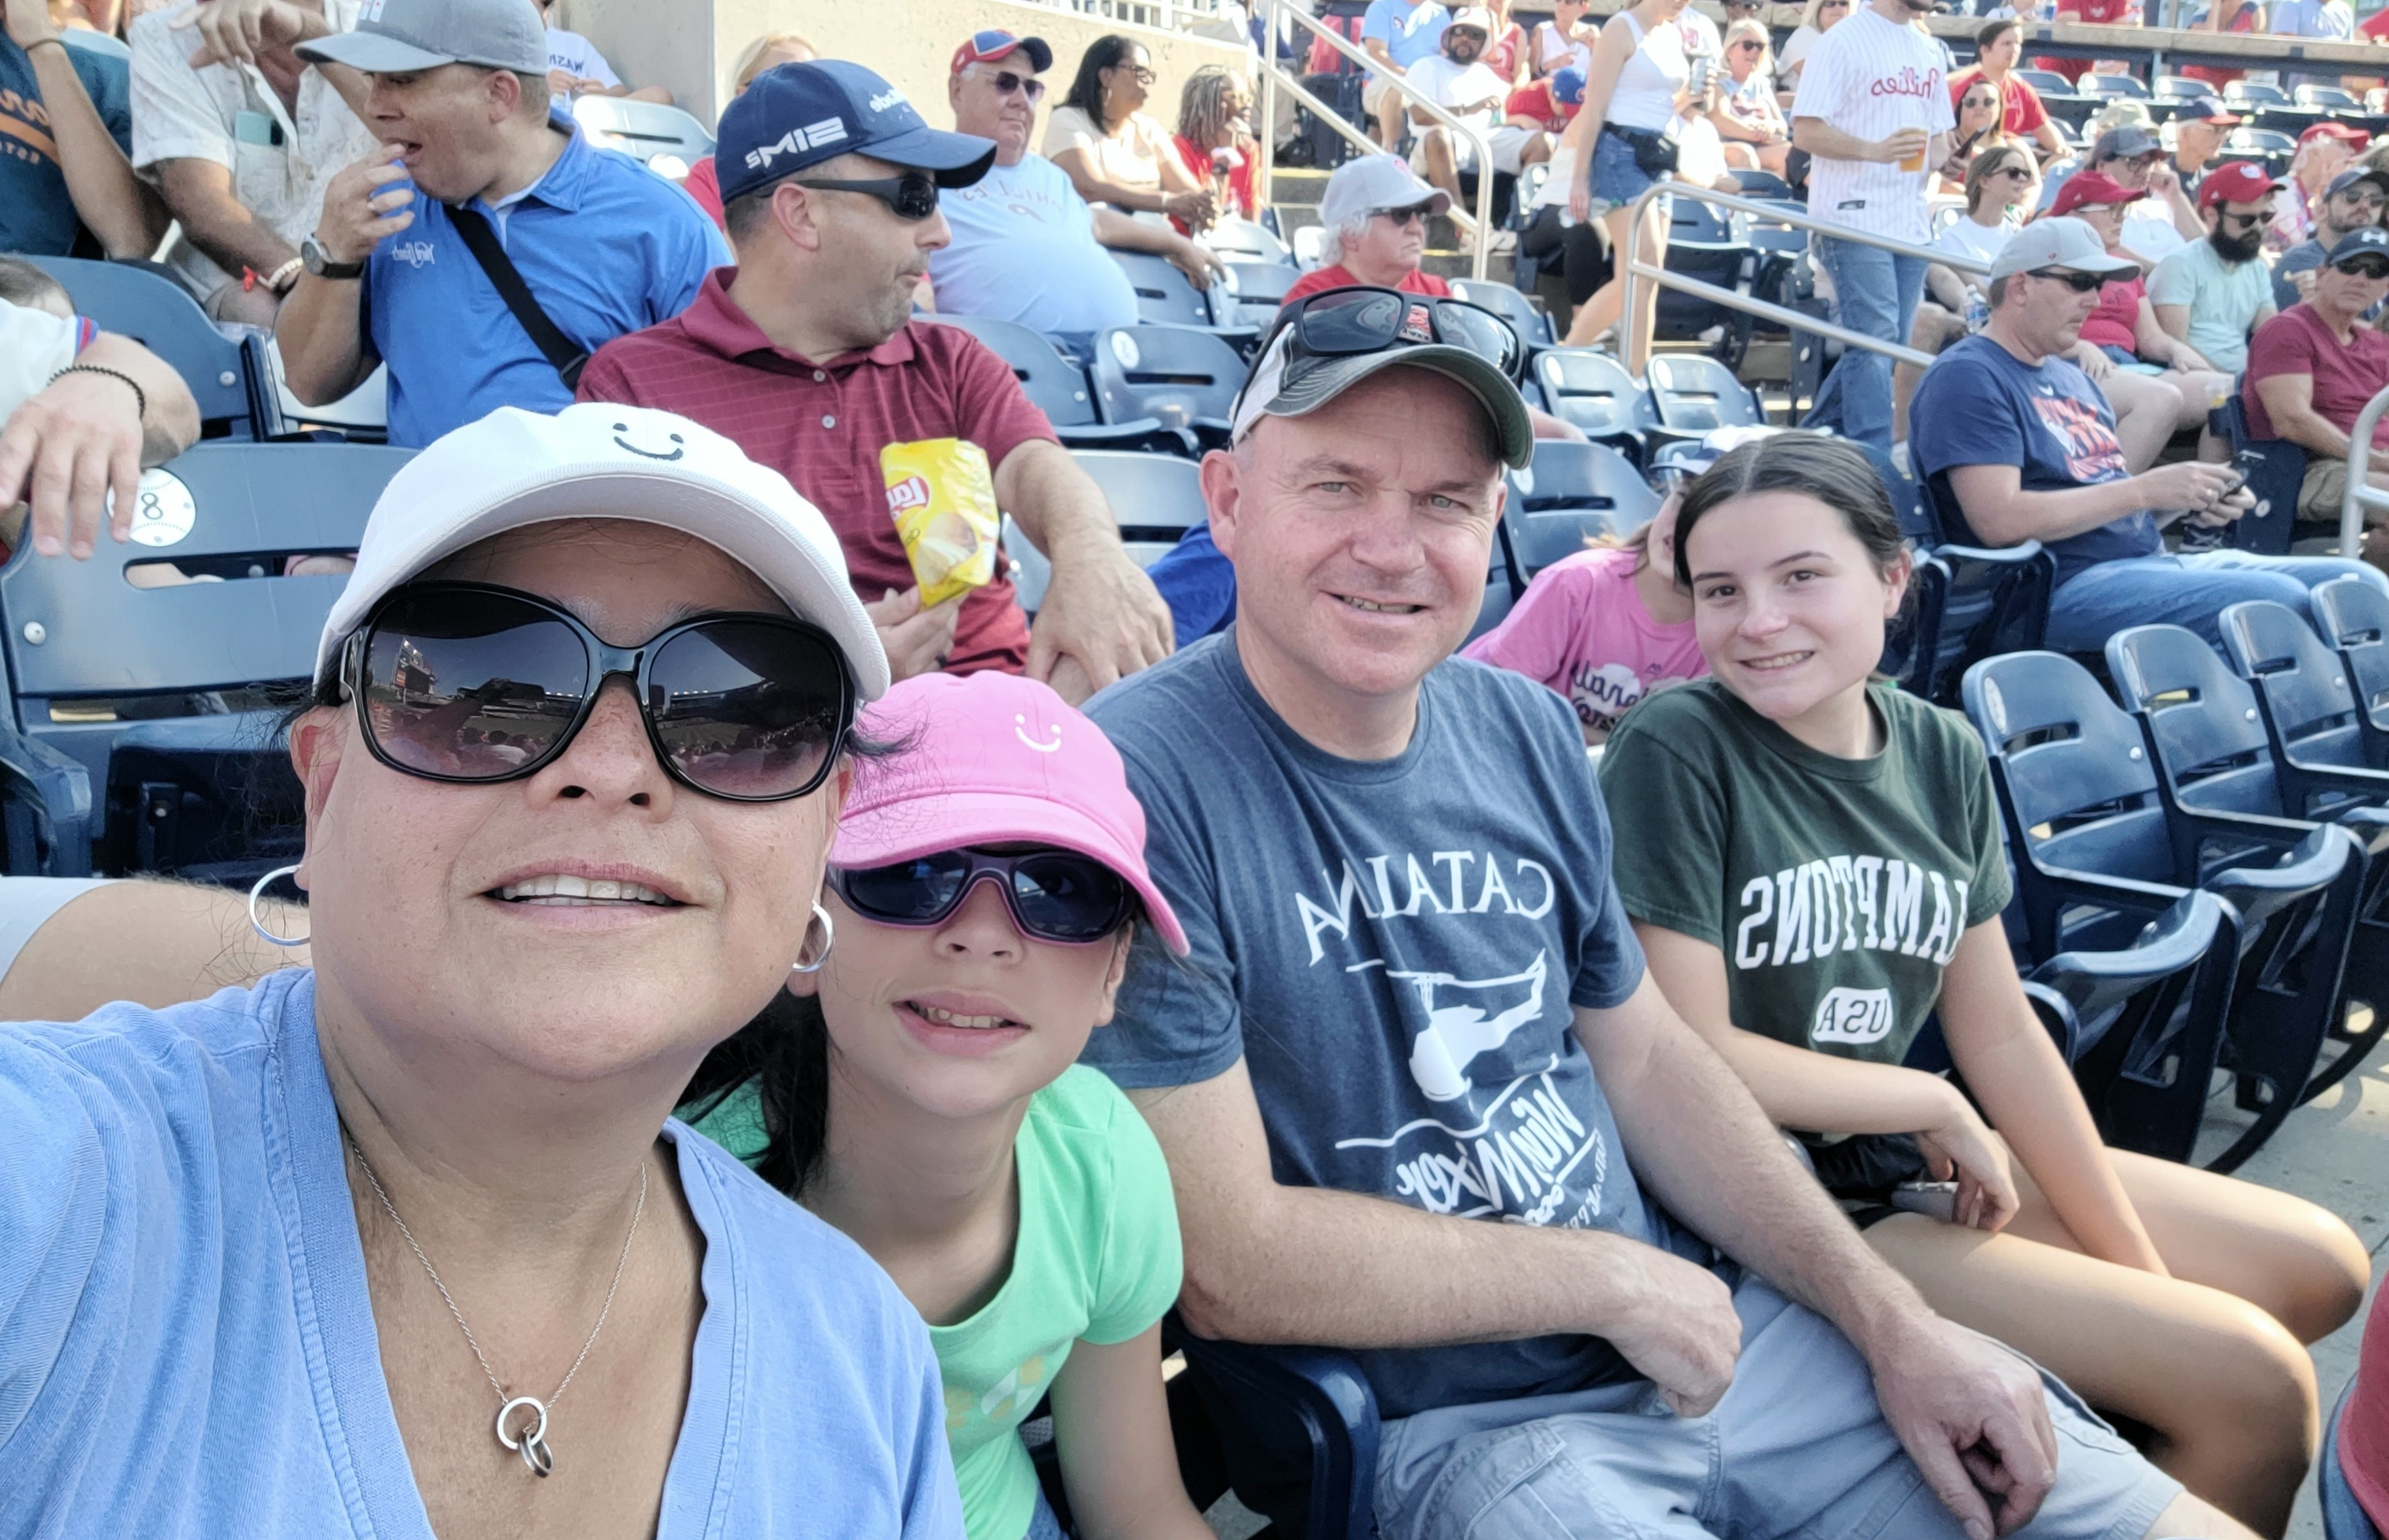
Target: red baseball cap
[(2332, 128), (986, 47), (995, 758), (2092, 187), (2236, 182)]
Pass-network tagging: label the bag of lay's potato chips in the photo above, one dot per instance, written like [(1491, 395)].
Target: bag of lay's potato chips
[(943, 501)]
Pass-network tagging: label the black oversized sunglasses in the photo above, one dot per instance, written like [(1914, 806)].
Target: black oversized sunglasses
[(1347, 321), (912, 195), (2080, 283), (1006, 82), (469, 683), (2364, 267), (1053, 895)]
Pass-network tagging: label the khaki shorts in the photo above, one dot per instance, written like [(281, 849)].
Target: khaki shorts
[(1373, 96), (2326, 485)]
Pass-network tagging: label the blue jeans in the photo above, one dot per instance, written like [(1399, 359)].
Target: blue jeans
[(2189, 591), (1876, 293)]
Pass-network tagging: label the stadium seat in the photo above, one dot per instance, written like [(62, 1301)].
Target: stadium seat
[(2096, 861), (2331, 752), (2354, 618), (1154, 497), (650, 133), (1694, 394), (1570, 493), (2245, 93), (2095, 1004), (2276, 468), (1233, 238), (1297, 1427), (1969, 603), (2227, 801), (1592, 391), (2115, 86), (1058, 387), (2046, 80), (232, 381), (1166, 296), (162, 693), (1257, 290), (1532, 324), (1184, 379), (2342, 1517), (2331, 98), (2181, 88), (1702, 245)]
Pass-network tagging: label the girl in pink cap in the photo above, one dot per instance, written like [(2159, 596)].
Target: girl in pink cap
[(920, 1090)]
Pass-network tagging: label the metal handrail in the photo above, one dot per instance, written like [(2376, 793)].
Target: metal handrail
[(2359, 495), (1272, 75), (1773, 213)]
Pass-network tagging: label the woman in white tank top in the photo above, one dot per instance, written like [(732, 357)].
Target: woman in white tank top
[(1633, 100)]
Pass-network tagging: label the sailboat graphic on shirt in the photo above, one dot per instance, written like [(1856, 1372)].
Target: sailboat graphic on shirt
[(1458, 1030)]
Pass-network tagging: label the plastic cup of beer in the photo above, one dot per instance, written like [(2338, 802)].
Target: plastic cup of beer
[(1913, 162)]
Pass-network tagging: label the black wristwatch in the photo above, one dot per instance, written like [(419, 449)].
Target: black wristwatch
[(319, 261)]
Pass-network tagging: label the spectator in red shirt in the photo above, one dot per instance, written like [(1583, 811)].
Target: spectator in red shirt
[(2021, 112), (771, 48), (1548, 104), (2099, 13), (1215, 142), (805, 354), (1376, 212), (2364, 1427), (2228, 16), (2312, 368)]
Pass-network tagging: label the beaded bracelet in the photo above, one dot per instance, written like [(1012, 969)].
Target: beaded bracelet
[(140, 397)]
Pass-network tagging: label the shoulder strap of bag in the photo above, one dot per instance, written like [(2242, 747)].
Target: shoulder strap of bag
[(559, 349)]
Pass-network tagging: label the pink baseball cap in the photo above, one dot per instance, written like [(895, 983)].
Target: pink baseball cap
[(993, 758)]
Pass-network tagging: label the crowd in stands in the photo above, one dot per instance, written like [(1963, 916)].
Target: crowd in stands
[(865, 1024)]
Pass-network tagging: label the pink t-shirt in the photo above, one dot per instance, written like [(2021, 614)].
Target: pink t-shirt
[(1581, 630)]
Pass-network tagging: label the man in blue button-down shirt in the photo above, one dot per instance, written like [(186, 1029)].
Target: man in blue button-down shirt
[(460, 103)]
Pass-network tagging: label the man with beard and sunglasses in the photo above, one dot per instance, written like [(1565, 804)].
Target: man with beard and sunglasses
[(1457, 78), (2312, 368), (807, 355), (2213, 293), (474, 151), (1026, 246), (2017, 443), (2352, 201)]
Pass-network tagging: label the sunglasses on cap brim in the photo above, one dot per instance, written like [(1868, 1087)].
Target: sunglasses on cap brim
[(1057, 896), (470, 684), (1346, 322)]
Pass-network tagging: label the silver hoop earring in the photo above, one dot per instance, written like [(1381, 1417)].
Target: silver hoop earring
[(259, 925), (829, 940)]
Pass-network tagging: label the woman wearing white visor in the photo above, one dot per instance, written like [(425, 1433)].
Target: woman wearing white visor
[(404, 1244)]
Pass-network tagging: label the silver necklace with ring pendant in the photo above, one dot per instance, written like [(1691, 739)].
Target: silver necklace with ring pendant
[(531, 1441)]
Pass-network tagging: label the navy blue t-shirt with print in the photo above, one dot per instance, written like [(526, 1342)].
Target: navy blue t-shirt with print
[(1394, 947), (37, 219), (1980, 405)]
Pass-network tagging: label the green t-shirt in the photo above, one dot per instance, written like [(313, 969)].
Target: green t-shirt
[(1837, 889), (1096, 1259)]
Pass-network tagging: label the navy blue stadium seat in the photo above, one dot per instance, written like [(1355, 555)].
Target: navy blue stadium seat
[(1570, 493), (2115, 86), (2091, 838), (1259, 289), (1154, 497), (2354, 617), (2330, 749), (1702, 245), (2226, 802), (232, 381), (1166, 297), (1758, 184), (1593, 392), (2089, 1000), (1968, 604), (2046, 80), (1297, 1427), (1693, 394), (1057, 386), (1181, 377), (2276, 469), (1532, 324), (162, 695)]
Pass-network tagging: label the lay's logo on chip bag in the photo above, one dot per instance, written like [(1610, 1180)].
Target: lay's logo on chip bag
[(910, 493)]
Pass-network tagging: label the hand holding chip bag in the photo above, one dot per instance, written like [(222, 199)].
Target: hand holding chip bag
[(942, 497)]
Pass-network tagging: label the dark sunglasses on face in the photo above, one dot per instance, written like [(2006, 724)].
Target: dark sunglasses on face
[(1749, 45), (1403, 216), (1006, 82), (2371, 268), (1371, 320), (468, 682), (911, 197), (1056, 896), (2080, 283), (2263, 216)]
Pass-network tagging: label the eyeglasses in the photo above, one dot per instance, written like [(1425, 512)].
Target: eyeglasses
[(2263, 216), (2364, 267), (1415, 214), (1006, 81), (2363, 200), (2080, 283), (1347, 321), (1053, 894), (467, 682), (911, 197), (1144, 75)]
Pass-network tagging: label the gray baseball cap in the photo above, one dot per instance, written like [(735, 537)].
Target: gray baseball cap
[(2061, 242), (2127, 142), (394, 36)]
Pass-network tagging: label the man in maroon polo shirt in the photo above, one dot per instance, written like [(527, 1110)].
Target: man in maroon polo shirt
[(806, 355)]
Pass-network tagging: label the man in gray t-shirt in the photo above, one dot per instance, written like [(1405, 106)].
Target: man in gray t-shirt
[(1419, 1098)]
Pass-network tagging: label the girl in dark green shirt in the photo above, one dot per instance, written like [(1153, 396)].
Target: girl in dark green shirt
[(1813, 862)]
